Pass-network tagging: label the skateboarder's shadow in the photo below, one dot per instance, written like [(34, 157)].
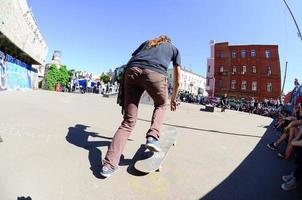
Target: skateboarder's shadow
[(78, 136)]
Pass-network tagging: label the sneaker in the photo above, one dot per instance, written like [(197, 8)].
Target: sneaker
[(291, 185), (272, 146), (108, 171), (280, 155), (287, 178), (152, 144)]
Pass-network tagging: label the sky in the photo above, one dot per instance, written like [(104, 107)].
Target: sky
[(97, 35)]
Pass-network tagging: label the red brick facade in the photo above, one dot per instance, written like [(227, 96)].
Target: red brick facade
[(245, 71)]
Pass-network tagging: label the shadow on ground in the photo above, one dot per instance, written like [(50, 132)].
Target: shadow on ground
[(205, 130), (257, 177), (24, 198), (78, 136), (137, 156)]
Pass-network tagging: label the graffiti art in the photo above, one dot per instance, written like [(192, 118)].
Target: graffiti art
[(3, 74)]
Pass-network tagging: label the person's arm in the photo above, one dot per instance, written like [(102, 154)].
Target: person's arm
[(176, 72), (295, 123), (297, 141)]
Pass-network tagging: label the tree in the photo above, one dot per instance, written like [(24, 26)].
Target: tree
[(64, 76), (51, 78), (55, 76), (105, 78)]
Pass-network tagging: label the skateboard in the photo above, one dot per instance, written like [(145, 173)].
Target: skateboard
[(152, 161)]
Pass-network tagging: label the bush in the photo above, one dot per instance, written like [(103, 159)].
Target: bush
[(55, 76), (105, 78)]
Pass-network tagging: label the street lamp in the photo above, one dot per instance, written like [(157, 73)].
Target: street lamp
[(299, 32)]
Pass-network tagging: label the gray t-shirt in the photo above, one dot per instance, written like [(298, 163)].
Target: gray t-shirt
[(157, 58)]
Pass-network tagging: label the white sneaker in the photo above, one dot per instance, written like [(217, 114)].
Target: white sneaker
[(291, 185), (287, 178)]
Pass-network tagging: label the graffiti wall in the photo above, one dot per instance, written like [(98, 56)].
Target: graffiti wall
[(14, 73)]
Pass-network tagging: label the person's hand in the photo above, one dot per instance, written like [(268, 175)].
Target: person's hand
[(173, 104)]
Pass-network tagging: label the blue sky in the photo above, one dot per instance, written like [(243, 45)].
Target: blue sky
[(96, 35)]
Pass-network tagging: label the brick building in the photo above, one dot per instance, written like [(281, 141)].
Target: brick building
[(244, 71)]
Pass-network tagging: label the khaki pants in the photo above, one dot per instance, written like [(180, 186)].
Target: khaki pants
[(137, 80)]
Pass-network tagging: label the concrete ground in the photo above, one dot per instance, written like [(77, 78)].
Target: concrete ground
[(53, 144)]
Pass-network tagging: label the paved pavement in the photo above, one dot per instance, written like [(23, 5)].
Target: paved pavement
[(53, 143)]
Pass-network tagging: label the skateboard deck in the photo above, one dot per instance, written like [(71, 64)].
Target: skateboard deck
[(151, 161)]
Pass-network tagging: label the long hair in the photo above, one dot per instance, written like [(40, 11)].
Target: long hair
[(157, 41)]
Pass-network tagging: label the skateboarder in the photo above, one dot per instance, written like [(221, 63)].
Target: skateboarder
[(145, 71)]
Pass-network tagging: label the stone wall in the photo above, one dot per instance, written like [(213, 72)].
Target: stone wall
[(19, 26)]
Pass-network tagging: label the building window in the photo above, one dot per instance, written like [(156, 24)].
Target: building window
[(269, 87), (233, 85), (209, 68), (170, 75), (221, 54), (234, 69), (243, 85), (220, 84), (233, 54), (254, 86), (267, 53), (253, 53), (243, 69), (269, 71), (221, 68), (243, 53), (254, 69), (208, 82)]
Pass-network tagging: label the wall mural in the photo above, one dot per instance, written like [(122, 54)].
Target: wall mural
[(14, 73)]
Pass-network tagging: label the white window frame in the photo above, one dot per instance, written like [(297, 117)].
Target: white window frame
[(234, 69), (243, 53), (221, 54), (269, 71), (267, 53), (254, 86), (233, 84), (221, 68), (254, 69), (234, 54), (243, 85), (269, 87), (253, 53), (243, 69)]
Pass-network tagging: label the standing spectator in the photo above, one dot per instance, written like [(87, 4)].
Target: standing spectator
[(224, 102)]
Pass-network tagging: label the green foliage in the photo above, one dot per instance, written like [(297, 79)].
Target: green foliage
[(105, 78), (71, 72), (64, 76), (55, 76)]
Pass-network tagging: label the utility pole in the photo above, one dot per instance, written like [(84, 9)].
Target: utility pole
[(299, 32), (299, 35), (283, 81)]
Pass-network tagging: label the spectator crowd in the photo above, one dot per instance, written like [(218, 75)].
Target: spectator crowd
[(288, 126)]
